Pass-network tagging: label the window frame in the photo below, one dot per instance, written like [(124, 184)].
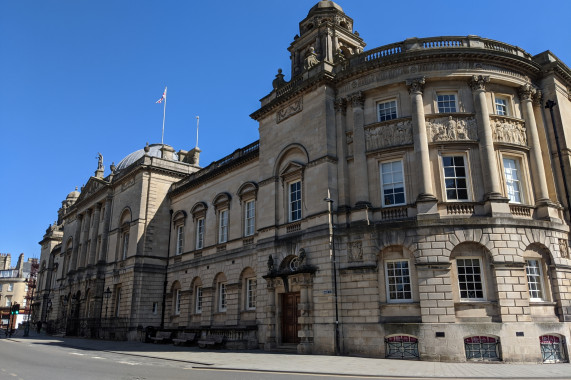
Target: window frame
[(467, 177), (388, 285), (438, 101), (508, 104), (541, 280), (385, 102), (200, 228), (392, 161), (179, 239), (249, 219), (251, 293), (10, 287), (483, 279), (177, 299), (222, 297), (298, 202), (526, 195), (223, 225), (198, 295)]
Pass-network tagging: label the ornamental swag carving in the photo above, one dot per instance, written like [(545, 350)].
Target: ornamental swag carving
[(289, 110), (451, 129), (387, 135)]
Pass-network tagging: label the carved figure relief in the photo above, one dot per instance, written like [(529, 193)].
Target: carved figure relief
[(564, 248), (387, 135), (311, 59), (509, 131), (452, 129), (355, 251), (289, 110)]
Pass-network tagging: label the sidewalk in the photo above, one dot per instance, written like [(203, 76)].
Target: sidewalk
[(314, 364)]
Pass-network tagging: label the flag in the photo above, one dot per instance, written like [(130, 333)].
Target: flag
[(164, 97)]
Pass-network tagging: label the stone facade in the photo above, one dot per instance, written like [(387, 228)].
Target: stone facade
[(405, 201)]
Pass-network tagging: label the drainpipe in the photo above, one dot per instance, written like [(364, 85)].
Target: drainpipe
[(333, 259), (550, 104), (166, 275)]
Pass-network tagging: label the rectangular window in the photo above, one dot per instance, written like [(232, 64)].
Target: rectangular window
[(249, 218), (179, 239), (513, 183), (446, 103), (222, 296), (392, 183), (125, 247), (470, 279), (198, 302), (223, 227), (8, 300), (387, 110), (251, 293), (177, 301), (455, 178), (501, 106), (117, 301), (398, 281), (534, 282), (294, 200), (155, 307), (10, 287), (200, 233)]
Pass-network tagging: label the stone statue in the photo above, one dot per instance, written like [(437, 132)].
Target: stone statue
[(100, 161), (270, 264), (311, 59)]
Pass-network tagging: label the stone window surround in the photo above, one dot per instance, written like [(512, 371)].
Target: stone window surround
[(509, 103), (179, 221), (524, 179), (386, 99), (384, 160), (250, 294), (293, 172), (248, 192), (222, 296), (467, 165), (198, 212), (222, 203), (387, 284), (198, 298), (447, 91), (483, 279)]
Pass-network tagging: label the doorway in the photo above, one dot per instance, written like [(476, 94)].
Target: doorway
[(290, 314)]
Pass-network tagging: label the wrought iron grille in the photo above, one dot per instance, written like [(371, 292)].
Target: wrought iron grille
[(482, 347), (552, 348), (401, 347)]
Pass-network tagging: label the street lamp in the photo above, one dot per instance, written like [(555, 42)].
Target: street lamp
[(107, 295), (329, 201)]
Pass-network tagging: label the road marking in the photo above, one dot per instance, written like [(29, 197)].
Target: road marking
[(129, 363), (76, 353), (97, 357)]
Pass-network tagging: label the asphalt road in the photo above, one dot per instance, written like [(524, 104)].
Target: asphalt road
[(20, 360)]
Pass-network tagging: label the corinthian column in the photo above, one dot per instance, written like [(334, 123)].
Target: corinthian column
[(491, 177), (425, 200), (360, 151)]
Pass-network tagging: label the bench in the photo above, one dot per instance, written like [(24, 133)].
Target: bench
[(162, 337), (212, 340), (183, 338)]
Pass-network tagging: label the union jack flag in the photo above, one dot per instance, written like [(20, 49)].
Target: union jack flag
[(164, 97)]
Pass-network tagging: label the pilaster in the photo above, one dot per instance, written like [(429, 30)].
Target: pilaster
[(359, 151)]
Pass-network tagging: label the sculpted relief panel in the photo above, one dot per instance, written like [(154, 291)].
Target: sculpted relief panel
[(452, 129), (508, 130), (387, 135), (289, 110)]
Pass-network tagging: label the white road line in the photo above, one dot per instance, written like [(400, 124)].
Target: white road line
[(76, 353), (97, 357), (129, 363)]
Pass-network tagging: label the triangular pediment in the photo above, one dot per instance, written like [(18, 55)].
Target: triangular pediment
[(291, 167), (93, 185)]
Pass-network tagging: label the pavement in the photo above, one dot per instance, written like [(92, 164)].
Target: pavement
[(262, 361)]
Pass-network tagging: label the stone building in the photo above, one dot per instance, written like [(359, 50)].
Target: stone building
[(14, 288), (408, 201)]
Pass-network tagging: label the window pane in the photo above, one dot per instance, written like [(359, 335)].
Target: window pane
[(294, 201), (392, 183), (387, 110), (455, 178), (470, 284), (534, 281), (513, 185), (446, 103), (398, 281)]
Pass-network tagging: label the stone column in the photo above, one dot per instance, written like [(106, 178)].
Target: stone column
[(76, 241), (84, 239), (425, 200), (545, 208), (496, 203), (105, 230), (342, 180), (360, 171), (94, 234), (270, 341)]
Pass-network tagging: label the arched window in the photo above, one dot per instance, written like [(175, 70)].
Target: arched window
[(401, 347)]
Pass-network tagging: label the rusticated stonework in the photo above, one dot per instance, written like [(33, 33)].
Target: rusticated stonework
[(508, 130), (387, 135), (289, 110), (451, 129)]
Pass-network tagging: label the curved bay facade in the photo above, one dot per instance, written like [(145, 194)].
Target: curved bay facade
[(408, 201)]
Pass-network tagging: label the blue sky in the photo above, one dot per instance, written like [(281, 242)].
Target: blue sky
[(79, 77)]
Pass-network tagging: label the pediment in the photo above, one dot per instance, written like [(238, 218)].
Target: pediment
[(292, 167), (93, 185)]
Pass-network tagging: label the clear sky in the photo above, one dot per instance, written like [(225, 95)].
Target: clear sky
[(79, 77)]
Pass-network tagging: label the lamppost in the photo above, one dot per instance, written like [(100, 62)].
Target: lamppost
[(107, 294), (333, 260)]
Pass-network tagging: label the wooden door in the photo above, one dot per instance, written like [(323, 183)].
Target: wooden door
[(290, 313)]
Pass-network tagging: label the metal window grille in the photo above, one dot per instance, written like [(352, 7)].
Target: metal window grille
[(401, 347), (552, 350), (482, 347)]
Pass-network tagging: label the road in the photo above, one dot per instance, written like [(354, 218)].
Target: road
[(25, 361)]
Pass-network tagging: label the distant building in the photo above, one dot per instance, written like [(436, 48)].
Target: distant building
[(14, 288), (448, 237)]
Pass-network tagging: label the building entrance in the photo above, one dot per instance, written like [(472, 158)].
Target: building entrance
[(290, 313)]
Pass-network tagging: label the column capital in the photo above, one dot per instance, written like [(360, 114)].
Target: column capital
[(478, 82), (357, 99), (526, 92), (537, 98), (340, 105), (416, 85)]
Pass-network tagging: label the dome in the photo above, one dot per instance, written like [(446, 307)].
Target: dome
[(323, 5), (154, 151), (73, 195)]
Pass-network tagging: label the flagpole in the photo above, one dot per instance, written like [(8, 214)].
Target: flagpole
[(164, 113), (197, 119)]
